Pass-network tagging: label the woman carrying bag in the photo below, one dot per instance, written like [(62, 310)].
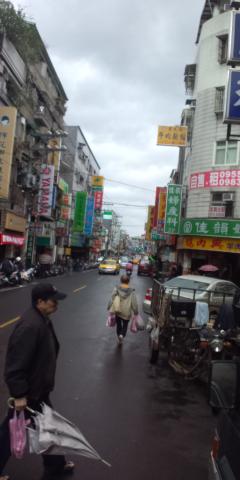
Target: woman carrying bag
[(123, 304)]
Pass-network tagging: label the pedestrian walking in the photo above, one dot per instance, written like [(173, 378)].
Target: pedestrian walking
[(30, 370), (123, 304)]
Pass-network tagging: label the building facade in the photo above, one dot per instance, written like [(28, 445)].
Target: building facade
[(209, 166)]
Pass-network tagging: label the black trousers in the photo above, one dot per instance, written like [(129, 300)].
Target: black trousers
[(53, 464), (122, 326)]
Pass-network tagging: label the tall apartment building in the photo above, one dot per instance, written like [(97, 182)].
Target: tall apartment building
[(209, 166)]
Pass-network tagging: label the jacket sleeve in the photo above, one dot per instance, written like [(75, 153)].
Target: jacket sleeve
[(20, 356), (134, 304), (114, 293)]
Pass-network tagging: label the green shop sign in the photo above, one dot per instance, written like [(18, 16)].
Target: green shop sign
[(79, 213), (210, 228), (173, 209)]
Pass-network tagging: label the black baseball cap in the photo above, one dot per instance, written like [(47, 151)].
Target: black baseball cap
[(46, 291)]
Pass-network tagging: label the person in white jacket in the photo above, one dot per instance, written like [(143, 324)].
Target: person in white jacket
[(124, 304)]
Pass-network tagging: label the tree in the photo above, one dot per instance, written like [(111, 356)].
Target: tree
[(22, 33)]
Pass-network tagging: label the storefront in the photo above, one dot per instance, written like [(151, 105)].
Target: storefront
[(12, 237), (193, 252)]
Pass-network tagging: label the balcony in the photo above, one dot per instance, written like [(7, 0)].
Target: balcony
[(42, 117)]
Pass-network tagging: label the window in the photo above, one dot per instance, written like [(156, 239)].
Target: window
[(222, 205), (226, 153), (222, 49), (219, 99)]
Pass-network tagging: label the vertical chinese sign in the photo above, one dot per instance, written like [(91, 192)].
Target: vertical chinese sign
[(45, 198), (149, 224), (89, 217), (79, 214), (8, 117), (173, 209)]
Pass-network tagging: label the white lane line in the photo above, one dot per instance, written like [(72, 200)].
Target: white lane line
[(80, 288)]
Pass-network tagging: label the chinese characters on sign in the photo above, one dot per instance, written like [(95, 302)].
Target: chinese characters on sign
[(173, 209), (212, 244), (8, 116), (89, 216), (210, 228), (97, 181), (45, 199), (217, 211), (172, 136), (216, 178), (79, 213), (98, 200)]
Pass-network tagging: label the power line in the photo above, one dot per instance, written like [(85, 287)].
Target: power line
[(129, 185), (125, 204)]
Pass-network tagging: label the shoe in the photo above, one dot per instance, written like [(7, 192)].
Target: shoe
[(120, 339), (68, 467)]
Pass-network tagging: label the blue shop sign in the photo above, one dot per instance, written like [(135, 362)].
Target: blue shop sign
[(234, 41), (232, 105), (89, 216)]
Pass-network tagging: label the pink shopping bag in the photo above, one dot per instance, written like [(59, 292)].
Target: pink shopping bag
[(18, 434), (111, 320), (133, 326)]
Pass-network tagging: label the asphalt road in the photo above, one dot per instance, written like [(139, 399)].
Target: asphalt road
[(146, 421)]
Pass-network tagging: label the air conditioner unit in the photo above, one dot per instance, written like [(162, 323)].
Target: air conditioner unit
[(228, 197)]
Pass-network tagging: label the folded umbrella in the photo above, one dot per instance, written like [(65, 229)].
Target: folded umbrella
[(55, 435)]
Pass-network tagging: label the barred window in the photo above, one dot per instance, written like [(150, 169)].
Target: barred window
[(219, 99), (222, 49)]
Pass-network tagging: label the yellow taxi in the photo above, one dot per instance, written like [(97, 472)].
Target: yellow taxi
[(109, 265), (136, 260)]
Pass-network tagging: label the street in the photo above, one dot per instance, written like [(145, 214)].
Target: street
[(145, 421)]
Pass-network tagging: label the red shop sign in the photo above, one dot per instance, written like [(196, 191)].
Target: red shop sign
[(11, 240)]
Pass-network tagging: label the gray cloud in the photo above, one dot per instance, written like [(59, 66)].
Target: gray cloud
[(121, 63)]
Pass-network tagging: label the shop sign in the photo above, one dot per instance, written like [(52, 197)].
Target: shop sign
[(66, 200), (210, 228), (157, 197), (8, 117), (62, 185), (54, 156), (148, 226), (89, 216), (107, 215), (232, 102), (172, 136), (234, 39), (11, 240), (226, 245), (162, 204), (98, 200), (97, 181), (65, 213), (68, 251), (216, 178), (79, 214), (155, 235), (45, 199), (173, 209), (15, 222), (30, 243), (217, 211)]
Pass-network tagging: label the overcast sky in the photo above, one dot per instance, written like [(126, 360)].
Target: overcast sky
[(121, 63)]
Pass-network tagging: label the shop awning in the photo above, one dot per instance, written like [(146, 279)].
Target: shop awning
[(6, 239)]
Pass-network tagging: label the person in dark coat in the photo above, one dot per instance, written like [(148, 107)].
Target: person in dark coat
[(30, 369)]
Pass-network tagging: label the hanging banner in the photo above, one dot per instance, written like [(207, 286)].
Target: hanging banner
[(45, 199), (172, 136), (157, 196), (8, 117), (54, 156), (149, 223), (173, 209), (79, 213), (98, 200), (89, 216)]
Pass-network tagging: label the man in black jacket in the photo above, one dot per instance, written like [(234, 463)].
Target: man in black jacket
[(30, 369)]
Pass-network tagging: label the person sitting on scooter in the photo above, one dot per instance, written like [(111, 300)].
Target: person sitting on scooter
[(129, 268)]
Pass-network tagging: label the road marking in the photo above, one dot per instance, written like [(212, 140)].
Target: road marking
[(80, 288), (9, 322)]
